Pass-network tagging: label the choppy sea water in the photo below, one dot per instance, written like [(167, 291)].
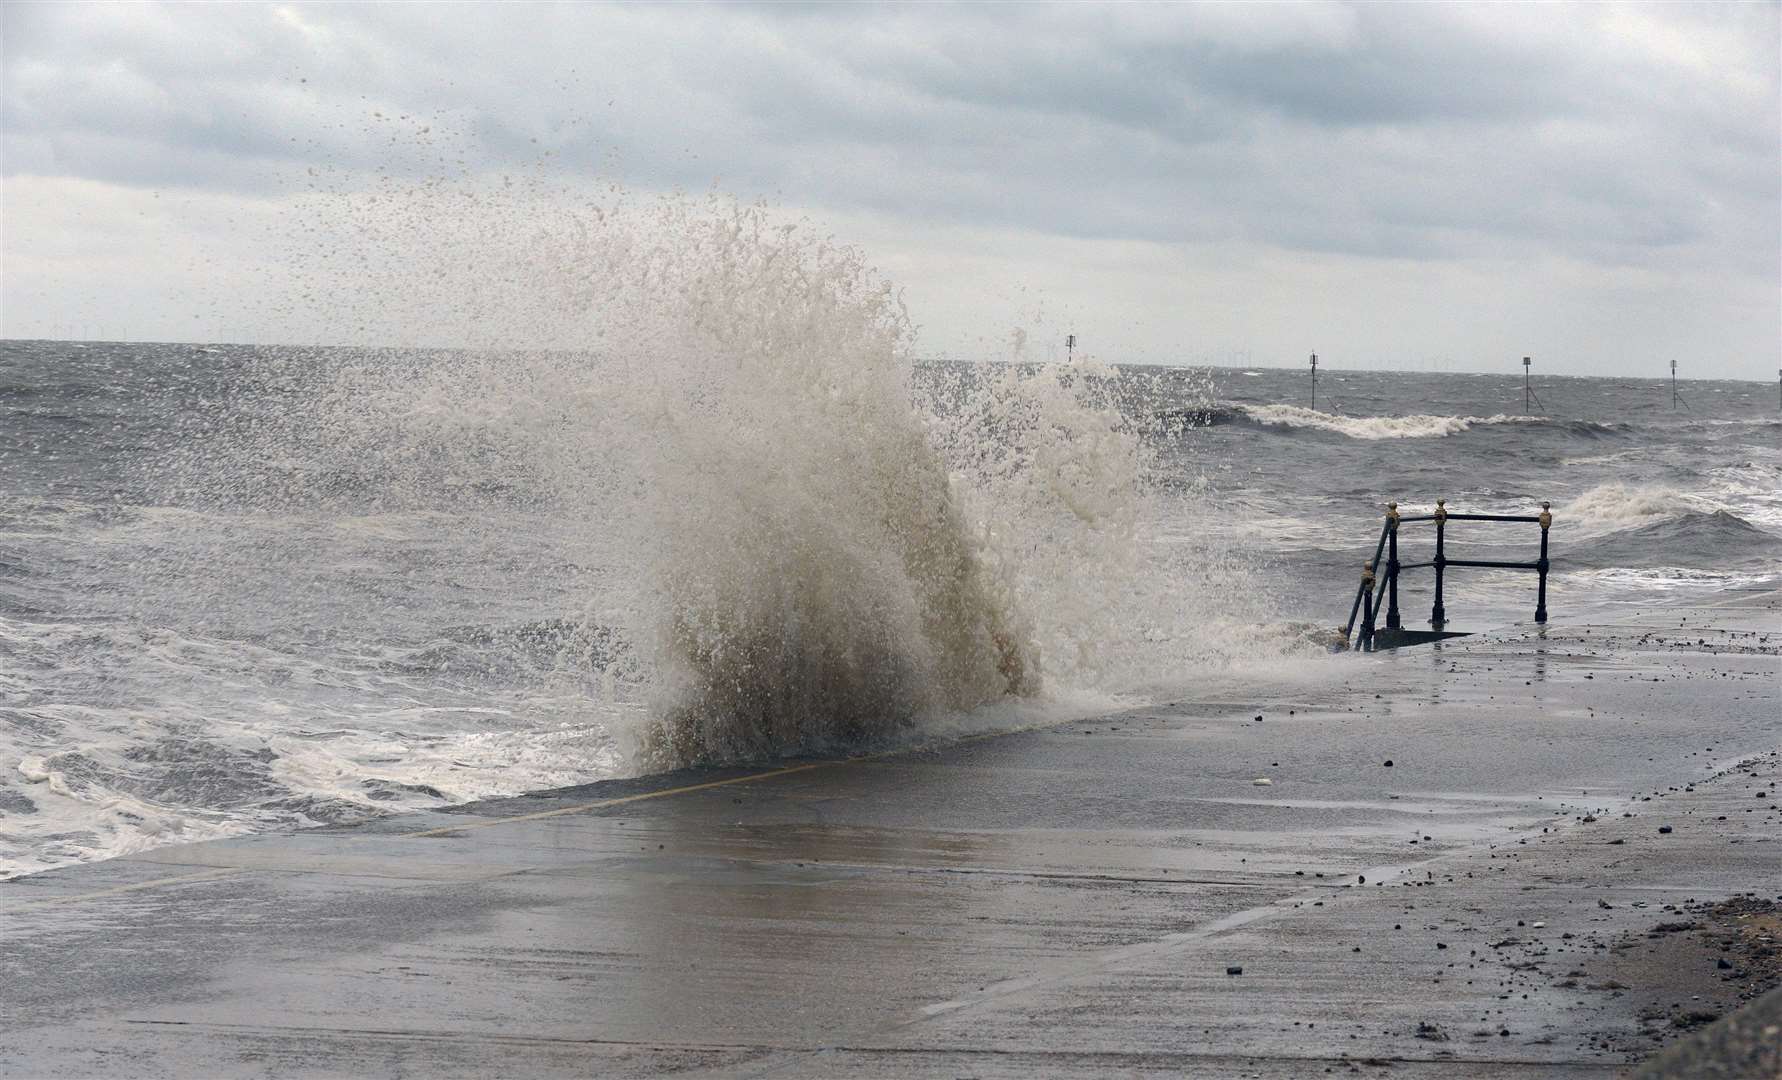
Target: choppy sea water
[(248, 588)]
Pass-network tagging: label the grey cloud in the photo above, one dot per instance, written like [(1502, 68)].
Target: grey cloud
[(1431, 132)]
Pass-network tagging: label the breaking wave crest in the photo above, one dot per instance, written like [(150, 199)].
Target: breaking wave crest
[(1715, 540), (1292, 418), (1617, 506), (1375, 427)]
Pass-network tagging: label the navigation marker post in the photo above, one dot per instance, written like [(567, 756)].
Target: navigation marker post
[(1527, 390), (1314, 382), (1676, 397), (1070, 348)]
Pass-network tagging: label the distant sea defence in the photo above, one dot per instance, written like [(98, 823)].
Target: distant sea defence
[(243, 588)]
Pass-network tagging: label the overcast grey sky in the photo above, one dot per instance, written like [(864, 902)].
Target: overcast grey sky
[(1597, 185)]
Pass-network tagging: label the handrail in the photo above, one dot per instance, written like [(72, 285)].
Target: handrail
[(1530, 518), (1367, 583), (1368, 601)]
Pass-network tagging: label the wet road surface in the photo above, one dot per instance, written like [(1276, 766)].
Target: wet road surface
[(1065, 901)]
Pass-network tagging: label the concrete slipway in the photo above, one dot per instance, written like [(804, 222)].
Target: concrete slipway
[(1071, 901)]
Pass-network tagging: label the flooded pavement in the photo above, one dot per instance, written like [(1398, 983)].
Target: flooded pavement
[(1456, 878)]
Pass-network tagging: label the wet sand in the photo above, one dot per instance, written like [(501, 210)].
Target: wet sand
[(1113, 897)]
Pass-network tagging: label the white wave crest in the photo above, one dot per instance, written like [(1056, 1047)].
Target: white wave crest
[(1374, 427), (1618, 506), (1646, 580)]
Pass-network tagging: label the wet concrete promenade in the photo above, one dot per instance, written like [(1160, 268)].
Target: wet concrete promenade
[(1069, 901)]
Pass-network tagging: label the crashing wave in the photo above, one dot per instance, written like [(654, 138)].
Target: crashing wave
[(807, 543)]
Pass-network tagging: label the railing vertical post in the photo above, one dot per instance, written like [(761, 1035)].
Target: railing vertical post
[(1437, 615), (1368, 607), (1541, 567), (1392, 622), (1363, 592)]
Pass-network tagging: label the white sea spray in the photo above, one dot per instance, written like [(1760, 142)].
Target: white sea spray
[(777, 532)]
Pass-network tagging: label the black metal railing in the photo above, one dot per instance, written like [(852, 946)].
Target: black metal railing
[(1368, 599)]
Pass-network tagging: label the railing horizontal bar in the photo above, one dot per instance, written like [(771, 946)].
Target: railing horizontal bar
[(1468, 517), (1402, 567)]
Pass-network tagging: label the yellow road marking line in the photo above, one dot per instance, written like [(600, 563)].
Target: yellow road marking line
[(202, 875), (484, 823)]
